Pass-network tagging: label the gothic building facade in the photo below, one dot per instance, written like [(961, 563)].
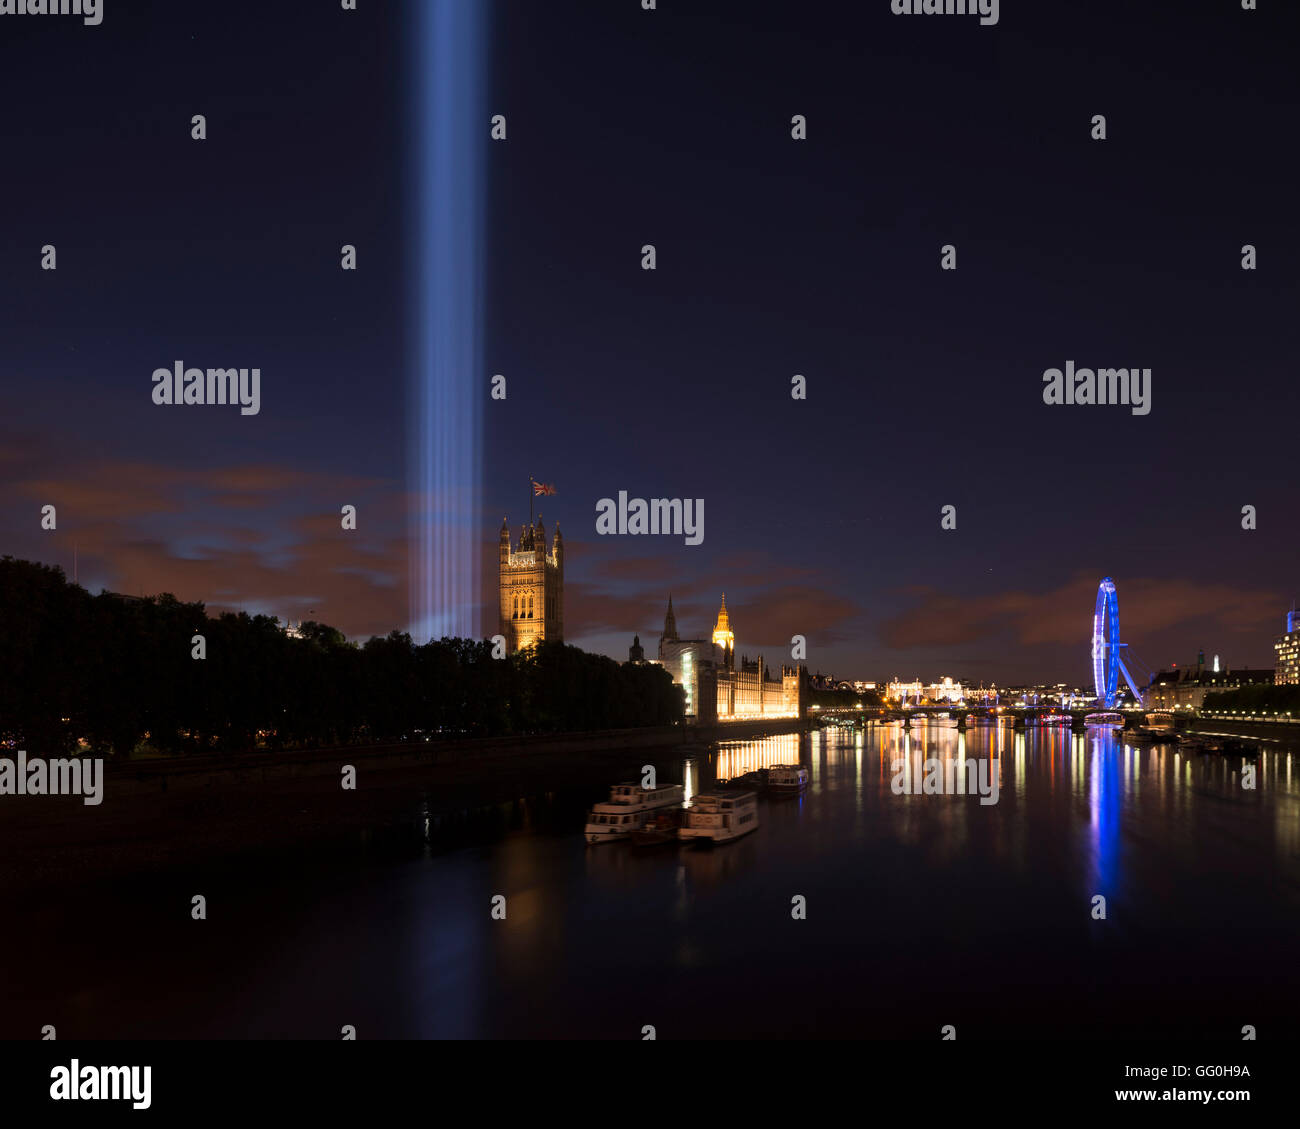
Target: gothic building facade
[(718, 688), (531, 582)]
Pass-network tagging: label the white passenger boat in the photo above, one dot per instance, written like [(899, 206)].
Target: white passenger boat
[(719, 817), (787, 779), (1157, 726), (627, 809), (1104, 719)]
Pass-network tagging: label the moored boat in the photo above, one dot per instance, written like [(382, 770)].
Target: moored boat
[(1158, 725), (787, 779), (1104, 719), (627, 810), (756, 779), (719, 817), (660, 829)]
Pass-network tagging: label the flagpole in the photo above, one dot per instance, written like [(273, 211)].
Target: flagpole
[(530, 501)]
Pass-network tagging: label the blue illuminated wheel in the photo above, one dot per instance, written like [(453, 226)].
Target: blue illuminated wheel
[(1105, 644)]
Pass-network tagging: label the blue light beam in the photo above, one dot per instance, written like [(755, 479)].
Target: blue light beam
[(446, 319)]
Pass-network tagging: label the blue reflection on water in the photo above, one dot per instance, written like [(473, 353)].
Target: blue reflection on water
[(1105, 797)]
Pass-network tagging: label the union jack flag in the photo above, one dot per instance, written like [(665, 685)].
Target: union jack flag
[(541, 488)]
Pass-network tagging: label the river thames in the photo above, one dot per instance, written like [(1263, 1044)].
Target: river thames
[(922, 911)]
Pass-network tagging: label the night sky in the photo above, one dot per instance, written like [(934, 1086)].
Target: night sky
[(775, 257)]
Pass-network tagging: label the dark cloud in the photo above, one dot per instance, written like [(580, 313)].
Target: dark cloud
[(1149, 607)]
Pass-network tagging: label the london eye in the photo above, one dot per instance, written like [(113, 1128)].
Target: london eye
[(1107, 659)]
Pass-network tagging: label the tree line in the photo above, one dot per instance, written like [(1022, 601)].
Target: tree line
[(110, 673)]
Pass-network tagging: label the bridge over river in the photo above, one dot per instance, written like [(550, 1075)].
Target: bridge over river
[(1021, 717)]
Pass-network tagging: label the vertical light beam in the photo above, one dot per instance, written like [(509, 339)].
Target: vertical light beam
[(446, 318)]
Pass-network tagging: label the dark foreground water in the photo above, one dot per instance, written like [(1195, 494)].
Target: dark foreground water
[(922, 911)]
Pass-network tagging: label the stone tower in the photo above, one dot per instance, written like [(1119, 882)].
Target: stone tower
[(723, 637), (531, 586)]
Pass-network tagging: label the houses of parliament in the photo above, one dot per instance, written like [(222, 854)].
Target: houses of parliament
[(716, 685), (718, 688), (531, 583)]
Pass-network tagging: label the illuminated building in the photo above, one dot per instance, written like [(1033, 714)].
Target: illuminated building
[(945, 690), (692, 664), (1287, 648), (904, 691), (1186, 687), (723, 638), (531, 587), (717, 687), (751, 691)]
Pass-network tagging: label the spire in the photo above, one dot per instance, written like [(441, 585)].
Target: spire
[(670, 623), (723, 636)]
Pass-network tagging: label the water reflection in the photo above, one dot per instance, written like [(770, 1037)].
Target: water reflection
[(914, 901), (736, 758), (1104, 800)]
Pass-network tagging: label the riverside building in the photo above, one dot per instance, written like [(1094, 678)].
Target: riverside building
[(718, 686), (531, 583)]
